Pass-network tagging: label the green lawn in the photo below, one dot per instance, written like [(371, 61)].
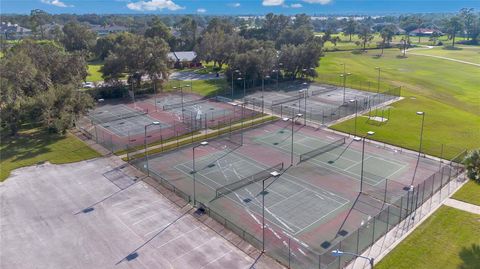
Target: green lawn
[(469, 193), (463, 53), (34, 145), (449, 239), (202, 87), (94, 73), (447, 91)]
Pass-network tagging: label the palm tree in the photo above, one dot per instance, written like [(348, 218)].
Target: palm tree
[(472, 163), (387, 34)]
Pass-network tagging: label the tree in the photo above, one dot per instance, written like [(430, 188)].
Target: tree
[(160, 30), (469, 19), (38, 18), (434, 37), (274, 25), (472, 163), (452, 27), (387, 34), (350, 28), (77, 37), (301, 59), (39, 83), (365, 35), (187, 29), (335, 40)]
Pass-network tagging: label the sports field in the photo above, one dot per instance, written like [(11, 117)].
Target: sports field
[(445, 90), (311, 201), (463, 53)]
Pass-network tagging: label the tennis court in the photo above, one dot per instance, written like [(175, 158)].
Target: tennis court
[(311, 201)]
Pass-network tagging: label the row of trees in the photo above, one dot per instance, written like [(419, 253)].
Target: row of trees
[(39, 82)]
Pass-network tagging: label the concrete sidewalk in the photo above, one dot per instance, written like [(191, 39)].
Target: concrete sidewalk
[(475, 209)]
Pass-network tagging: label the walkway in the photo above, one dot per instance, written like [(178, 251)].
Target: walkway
[(462, 206)]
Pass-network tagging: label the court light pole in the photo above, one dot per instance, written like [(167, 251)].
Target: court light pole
[(421, 113), (263, 91), (344, 76), (272, 174), (369, 133), (293, 118), (305, 96), (202, 144), (378, 79), (355, 128), (339, 253), (233, 74), (145, 142)]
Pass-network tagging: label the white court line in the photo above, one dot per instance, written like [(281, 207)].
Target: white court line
[(141, 220), (139, 207), (186, 253), (216, 259), (177, 219), (177, 237)]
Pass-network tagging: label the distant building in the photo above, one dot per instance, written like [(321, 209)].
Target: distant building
[(425, 32), (107, 29), (181, 59), (14, 31)]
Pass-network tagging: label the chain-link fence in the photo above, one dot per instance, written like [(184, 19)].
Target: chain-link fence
[(328, 115), (189, 124)]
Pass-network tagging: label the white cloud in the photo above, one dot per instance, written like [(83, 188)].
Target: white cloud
[(56, 3), (269, 3), (321, 2), (154, 5), (201, 10), (296, 5), (234, 5)]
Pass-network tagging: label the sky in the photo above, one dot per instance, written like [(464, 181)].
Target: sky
[(237, 7)]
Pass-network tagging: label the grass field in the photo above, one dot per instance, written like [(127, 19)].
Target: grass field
[(94, 73), (463, 53), (34, 145), (447, 91), (469, 193), (202, 87), (448, 239)]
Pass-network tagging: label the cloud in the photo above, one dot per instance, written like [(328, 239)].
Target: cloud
[(154, 5), (269, 3), (321, 2), (296, 5), (201, 10), (234, 5), (56, 3)]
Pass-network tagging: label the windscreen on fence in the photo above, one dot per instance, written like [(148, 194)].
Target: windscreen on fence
[(322, 91), (323, 149), (127, 115), (182, 104), (262, 175)]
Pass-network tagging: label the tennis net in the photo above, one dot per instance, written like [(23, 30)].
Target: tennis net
[(262, 175), (286, 100), (321, 150), (322, 91), (99, 120), (184, 104)]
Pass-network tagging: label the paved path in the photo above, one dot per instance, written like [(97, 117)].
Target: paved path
[(438, 57), (462, 206)]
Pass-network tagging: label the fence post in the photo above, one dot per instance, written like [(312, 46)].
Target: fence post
[(289, 253)]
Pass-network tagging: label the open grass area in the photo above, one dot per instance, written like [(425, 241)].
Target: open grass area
[(447, 91), (449, 239), (469, 193), (202, 87), (94, 73), (35, 145), (461, 52)]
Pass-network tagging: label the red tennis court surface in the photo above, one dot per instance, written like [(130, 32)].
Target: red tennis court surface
[(311, 203), (119, 124)]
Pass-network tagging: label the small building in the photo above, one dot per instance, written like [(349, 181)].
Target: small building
[(182, 59), (425, 32), (14, 31)]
